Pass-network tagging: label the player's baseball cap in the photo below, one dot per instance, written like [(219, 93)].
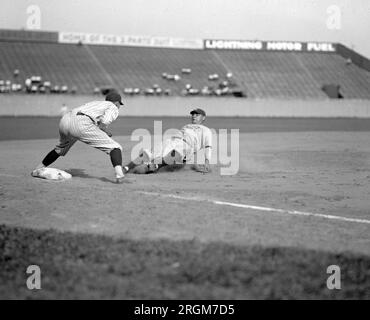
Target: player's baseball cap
[(198, 111), (114, 96)]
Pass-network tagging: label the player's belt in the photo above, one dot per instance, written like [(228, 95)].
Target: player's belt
[(83, 114)]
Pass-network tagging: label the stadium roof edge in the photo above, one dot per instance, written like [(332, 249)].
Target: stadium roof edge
[(179, 43)]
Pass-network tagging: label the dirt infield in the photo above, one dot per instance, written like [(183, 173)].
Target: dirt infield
[(324, 173)]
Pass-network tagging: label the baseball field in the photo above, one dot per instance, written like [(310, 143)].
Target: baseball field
[(298, 204)]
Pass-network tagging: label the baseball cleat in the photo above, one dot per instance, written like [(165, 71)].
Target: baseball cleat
[(119, 180), (152, 167), (146, 155)]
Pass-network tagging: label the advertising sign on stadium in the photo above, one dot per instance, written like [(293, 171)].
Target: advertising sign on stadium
[(256, 45), (321, 47), (127, 40), (233, 44)]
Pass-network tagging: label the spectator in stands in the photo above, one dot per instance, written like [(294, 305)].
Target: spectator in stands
[(194, 91), (28, 85), (158, 91), (64, 89), (223, 84), (186, 70), (206, 91), (34, 88), (47, 86), (149, 91), (340, 94), (36, 79), (55, 89), (6, 87)]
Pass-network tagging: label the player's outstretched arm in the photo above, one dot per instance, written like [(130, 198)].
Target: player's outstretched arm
[(206, 168), (207, 151), (207, 157)]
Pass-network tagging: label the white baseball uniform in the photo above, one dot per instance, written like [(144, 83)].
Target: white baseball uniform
[(188, 141), (82, 124)]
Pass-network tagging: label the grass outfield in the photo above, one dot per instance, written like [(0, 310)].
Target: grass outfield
[(79, 266)]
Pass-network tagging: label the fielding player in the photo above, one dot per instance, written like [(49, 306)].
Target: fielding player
[(88, 123), (180, 147)]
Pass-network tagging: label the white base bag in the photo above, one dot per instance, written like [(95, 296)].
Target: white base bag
[(51, 174)]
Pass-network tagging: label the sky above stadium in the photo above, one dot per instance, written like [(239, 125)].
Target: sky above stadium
[(345, 21)]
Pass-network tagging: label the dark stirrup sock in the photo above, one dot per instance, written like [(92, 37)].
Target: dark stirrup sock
[(50, 158), (116, 157)]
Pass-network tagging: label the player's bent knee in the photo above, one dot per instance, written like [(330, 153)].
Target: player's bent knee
[(109, 150), (118, 146), (118, 150)]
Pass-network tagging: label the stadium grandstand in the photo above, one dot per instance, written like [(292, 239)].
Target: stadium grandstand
[(38, 62)]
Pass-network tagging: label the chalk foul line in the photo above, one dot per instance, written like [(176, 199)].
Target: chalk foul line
[(259, 208)]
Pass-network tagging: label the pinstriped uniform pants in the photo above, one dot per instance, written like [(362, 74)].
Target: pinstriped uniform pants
[(74, 127)]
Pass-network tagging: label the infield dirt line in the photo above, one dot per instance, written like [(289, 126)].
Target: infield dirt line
[(259, 208)]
